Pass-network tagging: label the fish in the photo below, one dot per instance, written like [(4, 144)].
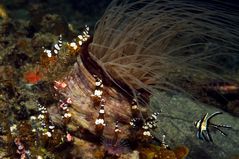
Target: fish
[(204, 125)]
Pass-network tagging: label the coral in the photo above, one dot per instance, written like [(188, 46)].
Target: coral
[(34, 76), (54, 23), (159, 152), (86, 149), (181, 152), (3, 12), (164, 153)]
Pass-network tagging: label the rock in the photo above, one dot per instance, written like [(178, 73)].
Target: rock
[(177, 122), (132, 155)]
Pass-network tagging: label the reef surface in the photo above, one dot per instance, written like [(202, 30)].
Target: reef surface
[(29, 86), (181, 112)]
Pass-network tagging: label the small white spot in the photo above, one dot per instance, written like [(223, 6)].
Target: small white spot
[(117, 130), (57, 47), (20, 147), (13, 128), (100, 121), (55, 51), (39, 157), (154, 116), (73, 45), (85, 33), (80, 42), (134, 107), (40, 116), (102, 111), (48, 134), (33, 118), (98, 93), (146, 133), (67, 115), (80, 37), (43, 111), (40, 108), (150, 125), (51, 127), (98, 83), (64, 108), (69, 101), (48, 52)]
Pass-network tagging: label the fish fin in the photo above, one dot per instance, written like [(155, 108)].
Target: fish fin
[(209, 136), (198, 135), (213, 115), (205, 137), (224, 134), (225, 126)]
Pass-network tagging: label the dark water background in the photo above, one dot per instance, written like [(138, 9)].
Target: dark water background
[(80, 11), (88, 11)]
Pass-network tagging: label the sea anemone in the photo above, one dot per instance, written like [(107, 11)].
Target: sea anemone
[(155, 44), (139, 47), (115, 148)]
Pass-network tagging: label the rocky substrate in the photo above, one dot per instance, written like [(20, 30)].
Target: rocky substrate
[(177, 123)]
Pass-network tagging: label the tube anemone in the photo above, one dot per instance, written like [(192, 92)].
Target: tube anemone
[(140, 47), (154, 44)]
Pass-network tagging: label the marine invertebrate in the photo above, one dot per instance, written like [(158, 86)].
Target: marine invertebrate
[(139, 47), (115, 146), (181, 152), (100, 121), (21, 149), (55, 50), (162, 152), (156, 45), (34, 76)]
